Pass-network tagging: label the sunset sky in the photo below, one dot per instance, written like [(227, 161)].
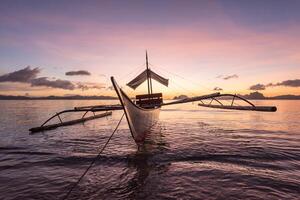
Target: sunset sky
[(199, 45)]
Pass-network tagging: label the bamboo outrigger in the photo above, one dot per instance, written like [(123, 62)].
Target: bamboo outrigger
[(144, 112), (234, 107), (84, 109), (67, 123)]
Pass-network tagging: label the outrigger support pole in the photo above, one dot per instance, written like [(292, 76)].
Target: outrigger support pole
[(84, 109), (250, 106)]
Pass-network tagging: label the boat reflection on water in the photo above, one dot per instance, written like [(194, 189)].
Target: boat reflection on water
[(145, 161)]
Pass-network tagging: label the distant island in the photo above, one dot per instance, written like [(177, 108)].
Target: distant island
[(71, 97), (257, 96)]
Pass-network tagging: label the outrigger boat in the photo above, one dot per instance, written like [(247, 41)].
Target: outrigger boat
[(143, 112)]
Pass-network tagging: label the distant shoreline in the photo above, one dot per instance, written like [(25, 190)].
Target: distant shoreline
[(4, 97)]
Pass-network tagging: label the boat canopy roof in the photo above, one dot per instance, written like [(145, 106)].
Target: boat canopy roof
[(143, 77)]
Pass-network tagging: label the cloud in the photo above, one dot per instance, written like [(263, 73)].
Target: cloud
[(110, 88), (78, 73), (230, 77), (87, 86), (23, 76), (58, 83), (28, 75), (217, 89), (227, 77), (257, 87), (288, 83)]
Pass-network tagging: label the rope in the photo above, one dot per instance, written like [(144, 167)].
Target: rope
[(190, 81), (93, 161), (181, 77), (136, 70)]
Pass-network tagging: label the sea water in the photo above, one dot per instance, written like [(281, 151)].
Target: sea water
[(191, 153)]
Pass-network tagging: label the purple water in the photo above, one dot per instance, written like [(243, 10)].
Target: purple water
[(193, 153)]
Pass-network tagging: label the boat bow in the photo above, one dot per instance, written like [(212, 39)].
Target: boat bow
[(140, 120)]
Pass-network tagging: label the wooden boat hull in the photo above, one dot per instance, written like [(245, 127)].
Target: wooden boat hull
[(140, 120)]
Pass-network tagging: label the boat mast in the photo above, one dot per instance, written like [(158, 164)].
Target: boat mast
[(149, 82)]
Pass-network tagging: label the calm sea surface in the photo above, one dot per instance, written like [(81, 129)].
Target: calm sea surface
[(193, 153)]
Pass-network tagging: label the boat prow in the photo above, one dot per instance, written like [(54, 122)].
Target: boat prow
[(140, 119)]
